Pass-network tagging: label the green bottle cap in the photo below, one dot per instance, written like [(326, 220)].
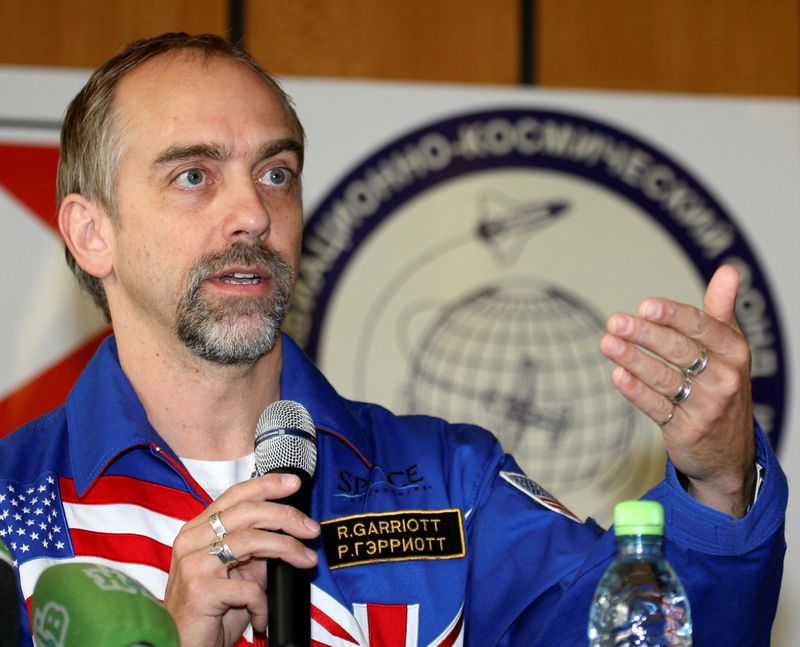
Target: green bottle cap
[(638, 518)]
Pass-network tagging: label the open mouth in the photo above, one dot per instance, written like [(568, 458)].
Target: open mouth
[(241, 278)]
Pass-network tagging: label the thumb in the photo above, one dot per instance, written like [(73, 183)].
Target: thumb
[(720, 298)]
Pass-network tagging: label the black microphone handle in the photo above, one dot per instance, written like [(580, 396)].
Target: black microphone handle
[(289, 588), (9, 604), (9, 609)]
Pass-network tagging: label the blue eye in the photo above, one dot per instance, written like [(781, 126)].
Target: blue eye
[(278, 176), (190, 178)]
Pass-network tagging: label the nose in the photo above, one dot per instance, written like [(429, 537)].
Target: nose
[(247, 213)]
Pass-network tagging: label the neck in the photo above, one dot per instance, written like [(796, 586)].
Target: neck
[(202, 410)]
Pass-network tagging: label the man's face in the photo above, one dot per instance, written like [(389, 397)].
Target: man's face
[(207, 234)]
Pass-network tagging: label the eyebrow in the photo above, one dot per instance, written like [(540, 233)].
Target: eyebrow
[(191, 151), (220, 153), (287, 144)]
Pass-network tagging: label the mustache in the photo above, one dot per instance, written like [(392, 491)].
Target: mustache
[(265, 260)]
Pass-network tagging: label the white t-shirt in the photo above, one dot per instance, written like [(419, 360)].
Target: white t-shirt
[(217, 476)]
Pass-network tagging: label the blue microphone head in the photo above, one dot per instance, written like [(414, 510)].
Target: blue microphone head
[(286, 439)]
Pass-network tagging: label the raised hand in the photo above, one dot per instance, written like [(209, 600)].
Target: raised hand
[(689, 370)]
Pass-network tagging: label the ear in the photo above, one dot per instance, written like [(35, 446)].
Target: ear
[(86, 229)]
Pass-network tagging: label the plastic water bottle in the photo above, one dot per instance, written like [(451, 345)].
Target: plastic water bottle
[(639, 600)]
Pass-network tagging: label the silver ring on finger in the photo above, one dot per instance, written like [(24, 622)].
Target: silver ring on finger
[(683, 392), (217, 527), (699, 364), (222, 551), (668, 418)]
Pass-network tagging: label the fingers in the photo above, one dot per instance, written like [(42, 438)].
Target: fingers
[(251, 524), (653, 404), (720, 298), (676, 348), (217, 577), (654, 349), (265, 488), (217, 614), (253, 527), (244, 544), (260, 515), (244, 594), (656, 386), (686, 327), (714, 327), (662, 379), (676, 332)]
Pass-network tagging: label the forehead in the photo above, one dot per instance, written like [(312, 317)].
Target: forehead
[(187, 97)]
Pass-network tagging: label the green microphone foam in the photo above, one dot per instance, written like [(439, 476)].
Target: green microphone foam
[(76, 605)]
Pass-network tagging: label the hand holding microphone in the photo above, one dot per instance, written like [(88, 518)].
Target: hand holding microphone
[(79, 604), (218, 575)]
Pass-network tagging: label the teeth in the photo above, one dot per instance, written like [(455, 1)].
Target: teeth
[(239, 278)]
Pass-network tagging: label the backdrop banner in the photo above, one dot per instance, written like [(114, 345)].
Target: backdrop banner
[(463, 248)]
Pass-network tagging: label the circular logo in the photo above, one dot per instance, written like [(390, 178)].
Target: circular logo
[(466, 270)]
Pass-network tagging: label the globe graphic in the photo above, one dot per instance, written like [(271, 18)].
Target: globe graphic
[(522, 360)]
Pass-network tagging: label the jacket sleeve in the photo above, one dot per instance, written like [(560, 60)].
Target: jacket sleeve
[(534, 571), (522, 555)]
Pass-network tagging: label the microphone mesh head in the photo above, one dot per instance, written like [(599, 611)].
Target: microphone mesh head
[(285, 438)]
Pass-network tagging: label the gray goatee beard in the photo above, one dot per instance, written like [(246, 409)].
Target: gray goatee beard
[(234, 330)]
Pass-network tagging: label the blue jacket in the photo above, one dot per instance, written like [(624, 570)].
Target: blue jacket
[(431, 534)]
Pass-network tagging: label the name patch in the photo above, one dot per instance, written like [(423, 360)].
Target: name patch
[(393, 536)]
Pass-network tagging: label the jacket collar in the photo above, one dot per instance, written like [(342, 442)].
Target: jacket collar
[(303, 382), (105, 417)]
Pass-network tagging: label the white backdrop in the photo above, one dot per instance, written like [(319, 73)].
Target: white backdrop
[(746, 151)]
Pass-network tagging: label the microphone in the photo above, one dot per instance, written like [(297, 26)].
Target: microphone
[(286, 443), (9, 600), (79, 604)]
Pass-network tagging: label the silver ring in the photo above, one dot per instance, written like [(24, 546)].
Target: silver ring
[(698, 365), (217, 527), (222, 551), (683, 392), (668, 418)]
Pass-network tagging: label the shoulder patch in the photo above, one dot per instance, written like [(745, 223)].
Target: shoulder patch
[(536, 492)]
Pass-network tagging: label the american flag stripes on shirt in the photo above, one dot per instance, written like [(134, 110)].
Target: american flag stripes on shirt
[(121, 522), (119, 519), (129, 524)]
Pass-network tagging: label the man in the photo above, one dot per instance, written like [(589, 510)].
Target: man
[(180, 206)]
